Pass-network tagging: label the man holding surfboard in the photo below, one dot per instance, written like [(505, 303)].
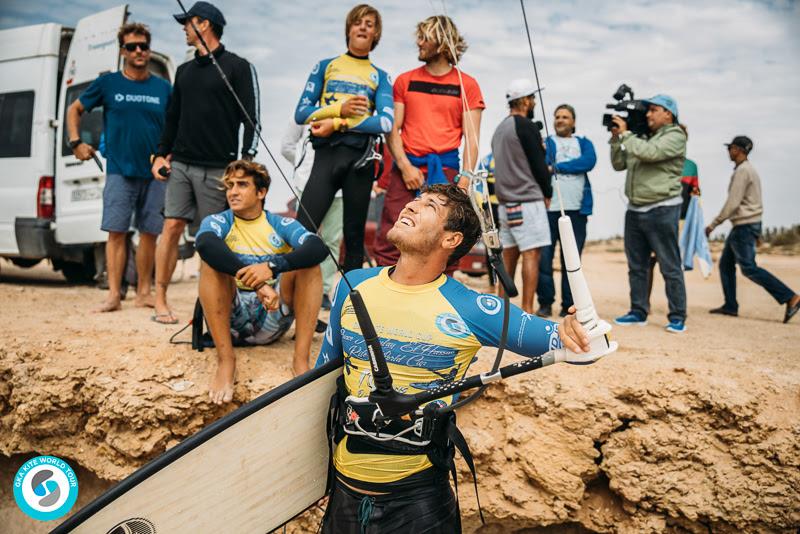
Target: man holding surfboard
[(259, 272), (430, 327)]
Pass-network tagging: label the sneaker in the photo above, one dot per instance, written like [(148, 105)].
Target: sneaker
[(791, 311), (676, 327), (544, 311), (630, 318), (326, 302), (722, 310)]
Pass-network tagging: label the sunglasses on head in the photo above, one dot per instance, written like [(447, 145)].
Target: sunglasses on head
[(131, 47)]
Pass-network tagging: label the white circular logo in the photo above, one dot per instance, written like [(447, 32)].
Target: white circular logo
[(119, 97), (489, 304), (45, 488)]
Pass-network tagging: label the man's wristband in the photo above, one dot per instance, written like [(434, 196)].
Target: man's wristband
[(73, 144)]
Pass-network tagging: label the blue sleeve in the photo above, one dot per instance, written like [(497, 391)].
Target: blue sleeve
[(332, 342), (219, 224), (93, 95), (382, 121), (584, 163), (528, 335), (550, 151), (311, 93), (291, 231)]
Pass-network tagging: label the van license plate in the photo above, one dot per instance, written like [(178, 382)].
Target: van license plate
[(87, 193)]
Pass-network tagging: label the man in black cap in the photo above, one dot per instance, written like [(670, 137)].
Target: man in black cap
[(200, 138), (744, 209)]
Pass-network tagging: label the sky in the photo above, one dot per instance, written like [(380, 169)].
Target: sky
[(732, 65)]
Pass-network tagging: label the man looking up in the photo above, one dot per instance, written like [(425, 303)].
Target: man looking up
[(744, 209), (574, 157), (523, 189), (200, 138), (433, 113), (653, 186), (245, 251), (132, 126), (347, 100), (430, 327)]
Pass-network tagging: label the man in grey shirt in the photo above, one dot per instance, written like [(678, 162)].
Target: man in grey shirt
[(744, 208), (522, 187)]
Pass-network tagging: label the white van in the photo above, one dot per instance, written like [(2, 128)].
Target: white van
[(51, 202)]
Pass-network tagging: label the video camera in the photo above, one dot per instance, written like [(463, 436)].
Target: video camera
[(636, 116)]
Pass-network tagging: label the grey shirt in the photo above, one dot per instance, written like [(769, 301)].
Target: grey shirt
[(520, 171)]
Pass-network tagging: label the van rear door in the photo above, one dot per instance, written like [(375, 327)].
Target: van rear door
[(79, 184)]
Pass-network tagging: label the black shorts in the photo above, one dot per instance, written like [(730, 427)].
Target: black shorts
[(430, 510)]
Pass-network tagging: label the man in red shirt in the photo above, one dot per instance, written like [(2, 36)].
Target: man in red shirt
[(435, 105)]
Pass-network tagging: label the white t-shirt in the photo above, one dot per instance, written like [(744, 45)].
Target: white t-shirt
[(292, 146), (570, 185)]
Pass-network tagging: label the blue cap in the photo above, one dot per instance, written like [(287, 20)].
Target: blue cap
[(666, 102), (204, 10)]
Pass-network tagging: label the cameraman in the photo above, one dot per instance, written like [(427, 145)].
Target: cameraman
[(653, 187)]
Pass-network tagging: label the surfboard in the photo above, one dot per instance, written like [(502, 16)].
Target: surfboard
[(250, 471)]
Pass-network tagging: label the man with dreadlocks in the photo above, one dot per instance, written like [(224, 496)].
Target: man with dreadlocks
[(430, 328), (435, 106)]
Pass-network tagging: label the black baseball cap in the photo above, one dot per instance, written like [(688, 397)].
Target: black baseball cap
[(204, 10), (743, 142)]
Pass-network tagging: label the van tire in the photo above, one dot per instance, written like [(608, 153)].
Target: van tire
[(77, 273), (25, 263)]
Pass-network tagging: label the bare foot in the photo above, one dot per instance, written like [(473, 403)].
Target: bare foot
[(110, 305), (145, 301), (221, 388), (298, 368)]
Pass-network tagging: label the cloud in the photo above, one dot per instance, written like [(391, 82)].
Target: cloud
[(732, 65)]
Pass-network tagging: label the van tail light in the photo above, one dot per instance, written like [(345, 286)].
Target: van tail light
[(46, 198)]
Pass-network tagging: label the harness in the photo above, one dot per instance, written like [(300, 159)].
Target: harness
[(428, 431)]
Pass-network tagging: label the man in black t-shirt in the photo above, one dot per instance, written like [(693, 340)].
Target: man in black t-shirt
[(200, 138)]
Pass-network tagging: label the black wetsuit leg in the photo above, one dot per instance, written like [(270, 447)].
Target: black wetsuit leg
[(333, 170), (429, 510), (356, 192)]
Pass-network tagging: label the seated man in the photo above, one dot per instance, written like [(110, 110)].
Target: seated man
[(430, 327), (258, 272)]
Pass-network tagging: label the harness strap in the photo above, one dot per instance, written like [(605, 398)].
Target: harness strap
[(457, 438)]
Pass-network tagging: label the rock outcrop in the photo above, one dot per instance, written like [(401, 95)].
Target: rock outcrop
[(631, 444)]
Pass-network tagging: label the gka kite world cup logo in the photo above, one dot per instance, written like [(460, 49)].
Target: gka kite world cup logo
[(45, 488)]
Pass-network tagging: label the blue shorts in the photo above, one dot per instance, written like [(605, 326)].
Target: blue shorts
[(252, 323), (125, 197)]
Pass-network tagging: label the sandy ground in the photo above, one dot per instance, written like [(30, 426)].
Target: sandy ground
[(39, 309)]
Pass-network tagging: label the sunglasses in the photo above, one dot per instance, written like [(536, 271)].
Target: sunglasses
[(131, 47)]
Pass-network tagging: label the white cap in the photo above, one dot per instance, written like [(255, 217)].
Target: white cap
[(519, 88)]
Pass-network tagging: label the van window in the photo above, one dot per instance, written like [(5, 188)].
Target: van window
[(91, 127), (16, 124)]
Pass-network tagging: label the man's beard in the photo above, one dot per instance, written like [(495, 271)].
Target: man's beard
[(423, 247), (529, 115)]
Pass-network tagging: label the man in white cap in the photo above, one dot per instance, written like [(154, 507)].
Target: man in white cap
[(523, 188)]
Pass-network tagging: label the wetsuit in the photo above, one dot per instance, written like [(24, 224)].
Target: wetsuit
[(331, 83), (228, 243), (430, 334)]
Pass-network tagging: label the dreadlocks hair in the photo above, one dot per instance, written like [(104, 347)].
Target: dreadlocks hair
[(441, 29), (461, 217), (356, 14), (255, 170)]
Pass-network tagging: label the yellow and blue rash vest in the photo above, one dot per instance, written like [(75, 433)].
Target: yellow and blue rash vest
[(265, 238), (430, 334), (333, 81)]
